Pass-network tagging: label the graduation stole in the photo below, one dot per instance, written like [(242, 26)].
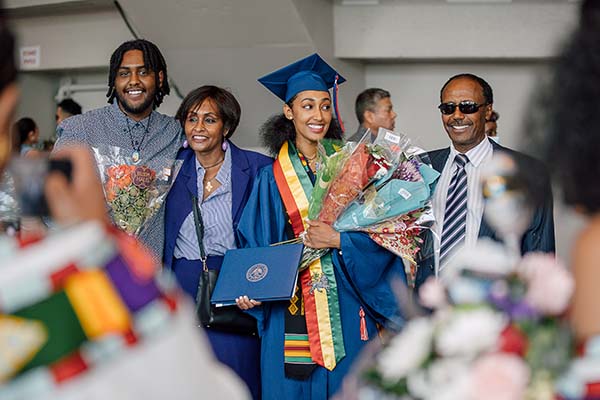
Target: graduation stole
[(319, 287)]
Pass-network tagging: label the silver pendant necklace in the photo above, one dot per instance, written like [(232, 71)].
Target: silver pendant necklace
[(136, 156)]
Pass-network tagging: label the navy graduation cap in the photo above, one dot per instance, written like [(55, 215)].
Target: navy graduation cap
[(310, 73)]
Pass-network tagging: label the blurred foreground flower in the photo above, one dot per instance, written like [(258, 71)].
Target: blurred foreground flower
[(496, 332)]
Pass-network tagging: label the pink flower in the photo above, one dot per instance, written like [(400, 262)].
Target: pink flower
[(433, 294), (550, 285), (499, 376)]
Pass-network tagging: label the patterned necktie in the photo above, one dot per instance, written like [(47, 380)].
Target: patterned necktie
[(455, 217)]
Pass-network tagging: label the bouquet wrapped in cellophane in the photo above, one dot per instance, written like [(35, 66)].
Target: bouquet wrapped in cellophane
[(383, 188), (134, 193)]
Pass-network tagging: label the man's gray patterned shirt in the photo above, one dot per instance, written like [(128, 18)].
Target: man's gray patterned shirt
[(109, 126)]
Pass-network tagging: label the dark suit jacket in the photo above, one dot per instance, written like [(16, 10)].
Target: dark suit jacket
[(539, 236), (244, 167)]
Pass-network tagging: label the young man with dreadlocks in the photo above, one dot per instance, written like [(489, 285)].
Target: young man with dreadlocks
[(137, 83)]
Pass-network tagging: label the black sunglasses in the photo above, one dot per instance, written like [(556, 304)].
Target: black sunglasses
[(465, 107)]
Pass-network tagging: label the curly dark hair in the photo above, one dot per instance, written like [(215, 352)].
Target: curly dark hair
[(229, 108), (573, 120), (278, 129), (153, 60)]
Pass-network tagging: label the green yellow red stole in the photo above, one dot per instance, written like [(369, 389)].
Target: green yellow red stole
[(319, 287)]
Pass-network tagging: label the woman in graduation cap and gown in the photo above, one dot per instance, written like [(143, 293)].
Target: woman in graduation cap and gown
[(342, 299)]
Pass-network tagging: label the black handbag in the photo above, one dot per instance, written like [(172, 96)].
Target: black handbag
[(226, 318)]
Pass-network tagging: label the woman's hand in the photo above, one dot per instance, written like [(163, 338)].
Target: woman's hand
[(244, 303), (319, 235)]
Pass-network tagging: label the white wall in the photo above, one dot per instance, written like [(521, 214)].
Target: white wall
[(37, 101), (405, 29), (73, 40)]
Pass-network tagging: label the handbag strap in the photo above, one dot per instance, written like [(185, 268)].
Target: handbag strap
[(199, 224)]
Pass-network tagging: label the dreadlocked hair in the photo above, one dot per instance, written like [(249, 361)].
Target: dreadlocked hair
[(153, 60), (278, 129)]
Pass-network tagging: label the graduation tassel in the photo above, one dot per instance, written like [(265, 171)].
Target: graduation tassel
[(335, 103), (364, 335)]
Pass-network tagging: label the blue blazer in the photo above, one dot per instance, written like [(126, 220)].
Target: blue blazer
[(244, 167), (539, 236)]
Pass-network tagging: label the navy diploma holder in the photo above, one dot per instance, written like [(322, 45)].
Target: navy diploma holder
[(261, 273)]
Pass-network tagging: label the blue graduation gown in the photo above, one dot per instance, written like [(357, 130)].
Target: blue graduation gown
[(363, 271)]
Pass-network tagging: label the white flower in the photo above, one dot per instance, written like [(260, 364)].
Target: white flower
[(406, 351), (458, 389), (486, 257), (446, 378), (469, 332)]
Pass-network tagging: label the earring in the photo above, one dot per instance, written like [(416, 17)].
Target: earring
[(185, 144), (224, 145)]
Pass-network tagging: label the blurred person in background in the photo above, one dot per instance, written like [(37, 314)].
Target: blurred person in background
[(83, 316), (65, 109), (491, 126), (27, 133), (569, 135), (572, 143), (374, 110)]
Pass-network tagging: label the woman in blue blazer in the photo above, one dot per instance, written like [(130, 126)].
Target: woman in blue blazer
[(218, 176)]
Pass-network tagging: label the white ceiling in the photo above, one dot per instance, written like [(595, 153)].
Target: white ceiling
[(375, 2), (34, 8)]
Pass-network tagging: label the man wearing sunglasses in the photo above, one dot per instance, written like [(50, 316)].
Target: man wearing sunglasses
[(466, 104)]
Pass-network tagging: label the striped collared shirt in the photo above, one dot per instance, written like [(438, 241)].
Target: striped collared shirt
[(216, 216), (478, 157), (158, 137)]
